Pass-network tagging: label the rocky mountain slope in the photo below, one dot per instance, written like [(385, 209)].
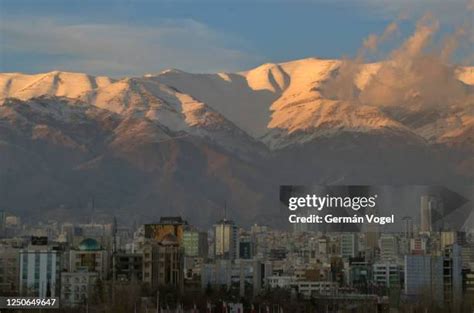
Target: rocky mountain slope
[(182, 143)]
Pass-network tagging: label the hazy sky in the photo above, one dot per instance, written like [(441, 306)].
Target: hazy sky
[(136, 37)]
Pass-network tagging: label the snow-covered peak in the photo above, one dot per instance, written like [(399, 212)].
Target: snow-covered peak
[(55, 83), (287, 98), (176, 111)]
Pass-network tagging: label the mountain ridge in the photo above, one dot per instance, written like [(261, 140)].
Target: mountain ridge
[(266, 99), (182, 142)]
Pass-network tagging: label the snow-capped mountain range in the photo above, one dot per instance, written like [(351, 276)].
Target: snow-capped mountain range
[(226, 137), (265, 102)]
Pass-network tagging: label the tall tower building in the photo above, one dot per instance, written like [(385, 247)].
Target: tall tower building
[(225, 240), (426, 207), (431, 207)]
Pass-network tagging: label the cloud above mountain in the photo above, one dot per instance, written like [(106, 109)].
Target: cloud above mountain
[(120, 49), (419, 73)]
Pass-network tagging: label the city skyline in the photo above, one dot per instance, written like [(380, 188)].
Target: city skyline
[(73, 262)]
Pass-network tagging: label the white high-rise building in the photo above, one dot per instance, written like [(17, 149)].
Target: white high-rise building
[(40, 268), (225, 240)]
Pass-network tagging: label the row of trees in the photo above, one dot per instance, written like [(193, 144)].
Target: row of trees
[(130, 298)]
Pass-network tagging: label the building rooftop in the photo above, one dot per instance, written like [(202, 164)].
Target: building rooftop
[(176, 220)]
